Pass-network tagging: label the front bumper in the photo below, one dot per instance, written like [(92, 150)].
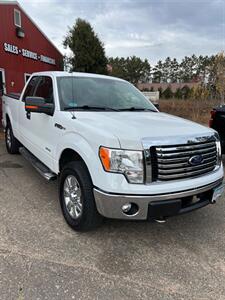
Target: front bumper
[(154, 206)]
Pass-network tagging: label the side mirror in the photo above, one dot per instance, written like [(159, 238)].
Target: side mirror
[(38, 105)]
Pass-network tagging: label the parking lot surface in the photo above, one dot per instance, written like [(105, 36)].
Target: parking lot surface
[(42, 258)]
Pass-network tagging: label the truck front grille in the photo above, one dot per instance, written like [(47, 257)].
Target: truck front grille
[(183, 161)]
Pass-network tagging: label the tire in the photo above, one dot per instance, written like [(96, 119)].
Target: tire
[(77, 198), (12, 144)]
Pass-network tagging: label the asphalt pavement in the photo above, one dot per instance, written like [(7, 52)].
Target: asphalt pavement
[(42, 258)]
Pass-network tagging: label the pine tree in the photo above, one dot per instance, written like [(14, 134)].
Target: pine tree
[(157, 74), (167, 93), (133, 69), (88, 53)]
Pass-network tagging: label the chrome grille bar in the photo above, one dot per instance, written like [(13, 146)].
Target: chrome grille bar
[(171, 160), (181, 154), (183, 165), (185, 147), (187, 174), (182, 170)]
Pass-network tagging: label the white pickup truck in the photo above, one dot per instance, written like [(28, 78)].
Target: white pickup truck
[(114, 153)]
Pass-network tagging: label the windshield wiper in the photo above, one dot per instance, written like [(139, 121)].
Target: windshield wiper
[(87, 107), (137, 109)]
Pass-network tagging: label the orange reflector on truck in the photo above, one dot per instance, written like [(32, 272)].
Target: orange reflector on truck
[(31, 107), (105, 158)]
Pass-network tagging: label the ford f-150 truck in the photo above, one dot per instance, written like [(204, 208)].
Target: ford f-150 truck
[(114, 154)]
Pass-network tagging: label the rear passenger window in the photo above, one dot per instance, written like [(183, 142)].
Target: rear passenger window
[(45, 89), (30, 87)]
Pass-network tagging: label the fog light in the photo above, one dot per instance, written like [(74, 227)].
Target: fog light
[(130, 209), (126, 207)]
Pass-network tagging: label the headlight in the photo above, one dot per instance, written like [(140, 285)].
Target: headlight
[(127, 162)]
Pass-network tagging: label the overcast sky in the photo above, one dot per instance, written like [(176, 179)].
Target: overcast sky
[(151, 29)]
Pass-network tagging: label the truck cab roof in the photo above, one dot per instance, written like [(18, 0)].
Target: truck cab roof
[(78, 74)]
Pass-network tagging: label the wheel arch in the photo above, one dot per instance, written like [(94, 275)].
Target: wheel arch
[(75, 147), (69, 155)]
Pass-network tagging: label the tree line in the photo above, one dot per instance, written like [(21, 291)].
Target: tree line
[(88, 55), (190, 69)]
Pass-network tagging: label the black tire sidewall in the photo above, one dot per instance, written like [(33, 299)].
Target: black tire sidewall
[(14, 148), (90, 217), (6, 140)]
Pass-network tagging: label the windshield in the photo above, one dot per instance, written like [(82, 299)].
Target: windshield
[(90, 92)]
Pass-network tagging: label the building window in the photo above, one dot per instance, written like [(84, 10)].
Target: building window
[(17, 18)]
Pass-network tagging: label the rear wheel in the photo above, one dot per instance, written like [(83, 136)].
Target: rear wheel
[(76, 197), (12, 144)]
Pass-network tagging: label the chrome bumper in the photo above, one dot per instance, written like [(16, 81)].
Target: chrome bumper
[(110, 205)]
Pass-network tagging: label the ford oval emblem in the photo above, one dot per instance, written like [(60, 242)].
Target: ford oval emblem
[(195, 160)]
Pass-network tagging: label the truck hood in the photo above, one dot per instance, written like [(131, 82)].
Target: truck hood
[(132, 127)]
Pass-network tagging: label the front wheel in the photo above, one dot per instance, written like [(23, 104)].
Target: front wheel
[(12, 144), (76, 197)]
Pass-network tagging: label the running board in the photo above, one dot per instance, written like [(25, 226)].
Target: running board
[(37, 164)]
